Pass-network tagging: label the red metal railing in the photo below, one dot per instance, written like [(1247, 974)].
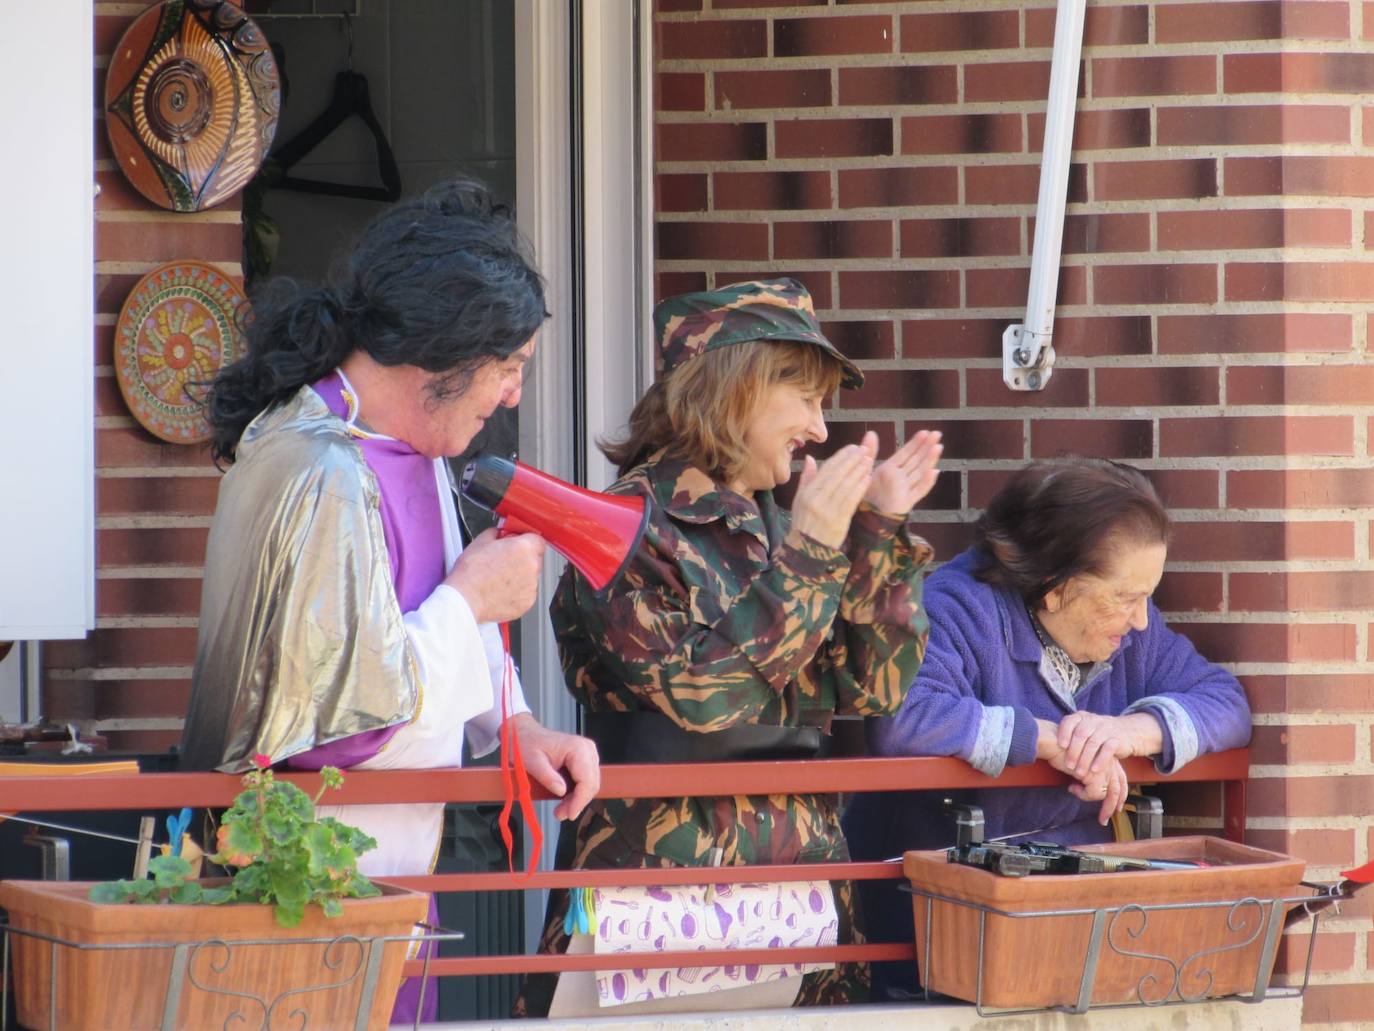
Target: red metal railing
[(173, 790)]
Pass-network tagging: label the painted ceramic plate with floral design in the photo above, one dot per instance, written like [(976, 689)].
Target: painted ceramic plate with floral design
[(177, 329)]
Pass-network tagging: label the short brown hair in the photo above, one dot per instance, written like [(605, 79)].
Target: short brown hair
[(701, 410), (1057, 520)]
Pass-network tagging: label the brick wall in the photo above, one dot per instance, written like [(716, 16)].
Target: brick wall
[(130, 677), (1211, 328)]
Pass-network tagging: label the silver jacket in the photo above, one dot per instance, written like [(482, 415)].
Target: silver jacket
[(301, 635)]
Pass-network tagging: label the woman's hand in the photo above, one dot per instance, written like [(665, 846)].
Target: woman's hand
[(1110, 787), (546, 752), (498, 576), (828, 495), (907, 476), (1090, 741)]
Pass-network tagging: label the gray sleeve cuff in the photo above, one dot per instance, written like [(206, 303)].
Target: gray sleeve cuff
[(1180, 734), (993, 743)]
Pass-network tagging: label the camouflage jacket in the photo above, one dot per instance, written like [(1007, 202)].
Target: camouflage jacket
[(727, 615)]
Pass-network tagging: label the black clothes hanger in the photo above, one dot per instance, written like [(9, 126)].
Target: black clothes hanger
[(351, 97)]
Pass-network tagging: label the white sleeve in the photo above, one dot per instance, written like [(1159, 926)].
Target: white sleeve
[(449, 650)]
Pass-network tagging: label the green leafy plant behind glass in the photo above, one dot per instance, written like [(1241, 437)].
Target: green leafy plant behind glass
[(280, 852)]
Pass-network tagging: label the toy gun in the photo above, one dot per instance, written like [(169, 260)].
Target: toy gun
[(1044, 857)]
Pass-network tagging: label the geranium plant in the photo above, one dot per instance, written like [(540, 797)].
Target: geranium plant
[(281, 854)]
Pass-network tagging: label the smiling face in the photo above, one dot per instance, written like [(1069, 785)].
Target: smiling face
[(444, 426), (786, 418), (1088, 615)]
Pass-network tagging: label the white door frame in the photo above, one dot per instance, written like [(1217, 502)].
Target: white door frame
[(610, 223)]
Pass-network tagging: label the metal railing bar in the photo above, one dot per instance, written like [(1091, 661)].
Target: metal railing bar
[(623, 877)]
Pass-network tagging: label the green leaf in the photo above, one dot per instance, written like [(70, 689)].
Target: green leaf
[(331, 906), (240, 842), (290, 915), (169, 871), (111, 892), (145, 891), (217, 896), (188, 893)]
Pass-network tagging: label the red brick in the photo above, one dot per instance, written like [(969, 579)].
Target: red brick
[(1153, 386), (1254, 333), (1002, 287), (175, 546), (680, 91), (1256, 435), (1189, 592), (971, 30), (1265, 19), (669, 284), (1259, 227), (1247, 541), (1300, 384), (1300, 281), (824, 36), (1155, 284), (952, 338), (1007, 80), (1196, 126), (962, 134), (960, 237), (898, 187), (1102, 26), (103, 699), (1300, 488), (1118, 128), (843, 433), (1319, 847), (1153, 76), (135, 447), (156, 495), (778, 88), (1271, 642), (1068, 388), (1017, 184), (674, 6), (744, 4), (126, 646), (1294, 693), (1326, 176), (1297, 73), (977, 438), (833, 239), (1150, 180), (145, 596), (899, 289), (787, 191), (1101, 438), (681, 192), (1311, 796), (1331, 951), (833, 137), (111, 290), (1187, 488), (701, 40), (862, 339), (903, 86), (1302, 592), (1102, 233), (711, 141), (906, 388), (684, 241), (1101, 336)]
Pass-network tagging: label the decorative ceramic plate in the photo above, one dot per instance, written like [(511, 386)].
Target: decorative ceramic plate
[(192, 97), (176, 330)]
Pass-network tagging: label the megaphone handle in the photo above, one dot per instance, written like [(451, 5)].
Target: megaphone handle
[(510, 526)]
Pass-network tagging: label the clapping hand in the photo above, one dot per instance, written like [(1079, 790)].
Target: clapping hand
[(907, 476)]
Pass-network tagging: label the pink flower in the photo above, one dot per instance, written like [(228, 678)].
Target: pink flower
[(262, 761)]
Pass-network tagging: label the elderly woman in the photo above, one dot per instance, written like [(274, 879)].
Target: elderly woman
[(1044, 644), (740, 630)]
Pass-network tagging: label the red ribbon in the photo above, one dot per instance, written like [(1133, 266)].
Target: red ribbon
[(514, 777)]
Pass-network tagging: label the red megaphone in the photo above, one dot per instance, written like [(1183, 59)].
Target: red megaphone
[(597, 533)]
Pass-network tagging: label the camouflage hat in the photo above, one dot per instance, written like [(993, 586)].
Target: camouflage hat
[(772, 309)]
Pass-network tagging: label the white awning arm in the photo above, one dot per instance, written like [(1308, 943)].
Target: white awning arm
[(1027, 351)]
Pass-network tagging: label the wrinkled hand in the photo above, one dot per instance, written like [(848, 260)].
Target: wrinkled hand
[(1107, 784), (546, 752), (498, 576), (1090, 741), (827, 495), (907, 476)]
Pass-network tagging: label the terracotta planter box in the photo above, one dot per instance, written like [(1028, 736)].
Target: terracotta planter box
[(129, 987), (1148, 956)]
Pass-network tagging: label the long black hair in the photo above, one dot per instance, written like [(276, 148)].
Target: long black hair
[(1056, 520), (441, 282)]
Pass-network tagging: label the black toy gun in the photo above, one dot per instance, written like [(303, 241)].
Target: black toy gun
[(1044, 857)]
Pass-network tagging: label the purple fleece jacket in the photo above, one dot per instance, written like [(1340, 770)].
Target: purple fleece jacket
[(983, 683)]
